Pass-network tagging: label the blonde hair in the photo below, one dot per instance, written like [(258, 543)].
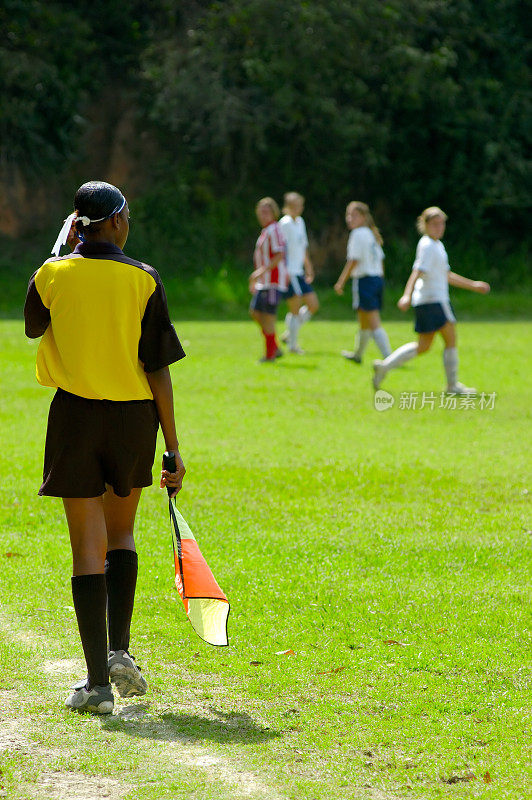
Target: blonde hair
[(290, 199), (426, 216), (269, 201), (363, 209)]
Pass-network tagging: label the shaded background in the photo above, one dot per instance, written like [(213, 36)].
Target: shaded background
[(197, 109)]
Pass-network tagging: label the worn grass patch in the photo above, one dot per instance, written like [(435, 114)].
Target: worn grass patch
[(390, 551)]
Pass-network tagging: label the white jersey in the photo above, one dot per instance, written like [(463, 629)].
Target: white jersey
[(295, 236), (363, 247), (433, 285)]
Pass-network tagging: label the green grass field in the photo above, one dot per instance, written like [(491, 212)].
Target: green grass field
[(389, 550)]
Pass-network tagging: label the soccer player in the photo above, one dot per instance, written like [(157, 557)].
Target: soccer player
[(427, 290), (268, 280), (365, 266), (301, 298), (107, 341)]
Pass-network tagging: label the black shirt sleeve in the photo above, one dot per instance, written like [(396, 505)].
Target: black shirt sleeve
[(158, 345), (36, 315)]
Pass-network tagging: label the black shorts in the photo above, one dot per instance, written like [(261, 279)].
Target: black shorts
[(430, 317), (367, 293), (266, 300), (91, 443), (297, 285)]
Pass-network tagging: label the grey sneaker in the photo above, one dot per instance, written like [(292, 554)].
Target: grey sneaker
[(98, 700), (351, 356), (459, 388), (379, 372), (125, 674)]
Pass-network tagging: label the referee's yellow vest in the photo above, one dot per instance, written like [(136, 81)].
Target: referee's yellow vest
[(91, 346)]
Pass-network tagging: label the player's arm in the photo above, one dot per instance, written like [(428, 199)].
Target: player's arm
[(163, 395), (36, 314), (309, 268), (274, 261), (465, 283), (256, 274), (406, 298), (350, 265)]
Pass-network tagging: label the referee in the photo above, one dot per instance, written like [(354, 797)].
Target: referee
[(106, 345)]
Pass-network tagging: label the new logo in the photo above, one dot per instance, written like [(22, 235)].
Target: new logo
[(383, 400)]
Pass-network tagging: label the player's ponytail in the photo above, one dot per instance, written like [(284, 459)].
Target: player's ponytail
[(95, 202), (363, 209)]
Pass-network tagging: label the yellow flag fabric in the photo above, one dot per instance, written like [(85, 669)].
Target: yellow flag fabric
[(205, 603)]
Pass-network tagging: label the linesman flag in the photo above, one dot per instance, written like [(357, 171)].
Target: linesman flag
[(206, 605)]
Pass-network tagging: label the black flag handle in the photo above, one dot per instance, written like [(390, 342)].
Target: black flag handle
[(170, 465)]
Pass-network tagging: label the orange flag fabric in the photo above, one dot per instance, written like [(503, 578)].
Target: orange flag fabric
[(206, 605)]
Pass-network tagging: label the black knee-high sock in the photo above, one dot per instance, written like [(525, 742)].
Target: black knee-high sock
[(90, 597), (121, 568)]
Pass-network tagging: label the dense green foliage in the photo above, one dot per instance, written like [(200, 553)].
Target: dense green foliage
[(402, 104), (396, 101)]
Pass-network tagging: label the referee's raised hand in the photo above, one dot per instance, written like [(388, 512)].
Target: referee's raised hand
[(73, 238)]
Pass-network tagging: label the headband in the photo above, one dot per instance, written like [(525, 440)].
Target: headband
[(85, 221)]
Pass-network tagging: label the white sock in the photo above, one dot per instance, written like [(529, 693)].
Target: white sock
[(361, 341), (400, 356), (287, 320), (304, 315), (382, 341), (293, 329), (450, 362)]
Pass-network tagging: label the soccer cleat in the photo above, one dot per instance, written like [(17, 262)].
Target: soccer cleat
[(297, 349), (266, 360), (98, 700), (125, 674), (284, 336), (278, 353), (459, 388), (351, 356), (379, 371)]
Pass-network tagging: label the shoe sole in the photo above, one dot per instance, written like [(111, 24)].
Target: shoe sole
[(127, 681), (102, 708), (350, 358), (105, 707)]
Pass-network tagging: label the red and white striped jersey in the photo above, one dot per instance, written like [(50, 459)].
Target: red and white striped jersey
[(269, 243)]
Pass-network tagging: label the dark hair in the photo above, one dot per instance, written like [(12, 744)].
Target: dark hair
[(97, 200)]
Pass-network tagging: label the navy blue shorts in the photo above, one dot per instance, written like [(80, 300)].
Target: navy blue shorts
[(266, 300), (367, 293), (430, 317), (297, 285)]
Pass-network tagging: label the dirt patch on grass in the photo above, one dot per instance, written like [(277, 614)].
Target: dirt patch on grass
[(64, 666), (10, 738), (170, 745), (51, 784), (76, 786)]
